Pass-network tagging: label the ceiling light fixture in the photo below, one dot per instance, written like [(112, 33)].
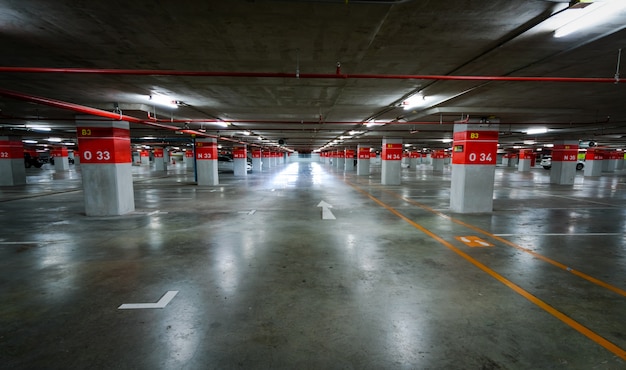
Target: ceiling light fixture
[(54, 139), (163, 101), (39, 128), (535, 131), (590, 14), (414, 101)]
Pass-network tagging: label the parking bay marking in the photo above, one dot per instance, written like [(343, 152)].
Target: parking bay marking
[(473, 241), (167, 297)]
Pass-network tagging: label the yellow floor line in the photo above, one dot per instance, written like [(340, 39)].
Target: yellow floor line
[(511, 244), (621, 353)]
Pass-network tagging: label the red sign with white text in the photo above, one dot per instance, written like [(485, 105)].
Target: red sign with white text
[(189, 154), (392, 152), (565, 153), (158, 152), (475, 147), (256, 153), (239, 153), (364, 153), (349, 153), (206, 151), (12, 149), (102, 145)]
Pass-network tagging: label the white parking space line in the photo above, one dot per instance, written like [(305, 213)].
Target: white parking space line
[(160, 304)]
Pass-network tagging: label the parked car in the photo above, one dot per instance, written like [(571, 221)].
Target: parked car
[(546, 162), (30, 161), (227, 164)]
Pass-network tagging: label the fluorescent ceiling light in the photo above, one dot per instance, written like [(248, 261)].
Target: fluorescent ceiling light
[(597, 13), (163, 101), (354, 132), (414, 101), (548, 145), (375, 123), (535, 131), (69, 143), (29, 141), (446, 140), (39, 128), (54, 139), (221, 123)]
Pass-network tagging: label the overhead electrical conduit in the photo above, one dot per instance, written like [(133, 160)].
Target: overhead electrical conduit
[(157, 72)]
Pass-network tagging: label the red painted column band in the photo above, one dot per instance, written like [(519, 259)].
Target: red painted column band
[(475, 147), (392, 152), (565, 153), (103, 145), (12, 149), (206, 151)]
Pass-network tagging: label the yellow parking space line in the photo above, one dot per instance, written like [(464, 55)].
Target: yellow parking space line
[(616, 350), (580, 274)]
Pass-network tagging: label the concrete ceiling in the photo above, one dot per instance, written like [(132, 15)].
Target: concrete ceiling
[(270, 67)]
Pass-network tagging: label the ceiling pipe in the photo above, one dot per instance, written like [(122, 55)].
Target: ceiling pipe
[(103, 113), (158, 72)]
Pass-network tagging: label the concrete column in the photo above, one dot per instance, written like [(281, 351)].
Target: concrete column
[(349, 157), (620, 160), (428, 159), (12, 170), (240, 160), (341, 160), (438, 157), (61, 158), (267, 159), (414, 160), (363, 160), (406, 161), (506, 159), (76, 157), (257, 160), (611, 160), (326, 157), (513, 160), (106, 166), (189, 159), (144, 156), (474, 153), (286, 157), (159, 159), (391, 161), (593, 162), (525, 159), (564, 159), (206, 162), (166, 157)]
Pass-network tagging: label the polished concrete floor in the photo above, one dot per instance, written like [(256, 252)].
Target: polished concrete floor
[(394, 282)]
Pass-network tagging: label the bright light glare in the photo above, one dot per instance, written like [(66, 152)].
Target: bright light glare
[(590, 16), (54, 139), (29, 141), (39, 128), (163, 101), (535, 131), (414, 101), (446, 140)]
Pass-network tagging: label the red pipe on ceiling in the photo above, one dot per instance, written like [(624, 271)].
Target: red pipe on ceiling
[(159, 72), (102, 113)]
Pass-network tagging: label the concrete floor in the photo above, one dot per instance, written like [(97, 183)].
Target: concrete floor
[(263, 282)]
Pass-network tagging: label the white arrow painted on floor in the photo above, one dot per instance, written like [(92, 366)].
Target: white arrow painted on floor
[(326, 213), (160, 304)]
